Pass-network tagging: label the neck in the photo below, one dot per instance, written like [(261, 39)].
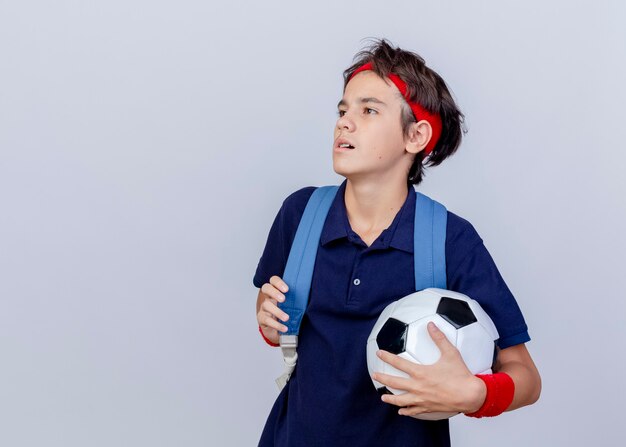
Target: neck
[(372, 205)]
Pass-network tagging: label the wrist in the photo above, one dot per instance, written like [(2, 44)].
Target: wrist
[(477, 395), (500, 393)]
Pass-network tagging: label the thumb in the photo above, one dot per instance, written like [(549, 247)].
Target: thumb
[(439, 338)]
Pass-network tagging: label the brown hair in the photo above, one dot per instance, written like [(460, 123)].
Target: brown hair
[(425, 87)]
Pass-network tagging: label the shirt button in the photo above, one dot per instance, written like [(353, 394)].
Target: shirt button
[(356, 282)]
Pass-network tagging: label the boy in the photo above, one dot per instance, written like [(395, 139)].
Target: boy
[(394, 113)]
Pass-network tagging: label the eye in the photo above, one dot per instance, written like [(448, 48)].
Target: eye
[(367, 110)]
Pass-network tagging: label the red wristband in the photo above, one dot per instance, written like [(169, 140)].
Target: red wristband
[(500, 391), (267, 340)]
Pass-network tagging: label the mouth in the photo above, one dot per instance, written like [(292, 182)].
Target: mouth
[(342, 145)]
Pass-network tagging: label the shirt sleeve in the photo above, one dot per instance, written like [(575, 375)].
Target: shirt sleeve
[(281, 236), (475, 274)]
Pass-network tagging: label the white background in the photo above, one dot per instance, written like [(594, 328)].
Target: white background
[(146, 146)]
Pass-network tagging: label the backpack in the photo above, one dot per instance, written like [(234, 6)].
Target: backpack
[(429, 254)]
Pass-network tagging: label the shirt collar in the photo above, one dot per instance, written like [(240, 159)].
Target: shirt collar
[(335, 224), (399, 233)]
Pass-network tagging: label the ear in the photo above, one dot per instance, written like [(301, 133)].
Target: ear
[(420, 134)]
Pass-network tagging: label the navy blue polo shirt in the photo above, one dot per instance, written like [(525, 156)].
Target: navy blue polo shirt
[(330, 399)]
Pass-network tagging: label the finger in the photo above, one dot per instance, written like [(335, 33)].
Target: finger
[(271, 291), (261, 316), (391, 399), (277, 282), (395, 382), (398, 362), (274, 324), (401, 400), (270, 307), (413, 410), (439, 338)]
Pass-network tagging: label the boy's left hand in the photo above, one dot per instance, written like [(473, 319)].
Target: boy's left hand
[(446, 386)]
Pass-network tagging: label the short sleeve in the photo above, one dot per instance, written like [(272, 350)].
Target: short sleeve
[(281, 236), (474, 273)]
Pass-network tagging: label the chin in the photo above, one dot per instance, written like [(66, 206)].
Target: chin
[(341, 170)]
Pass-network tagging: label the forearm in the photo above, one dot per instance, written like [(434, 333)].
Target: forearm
[(520, 367)]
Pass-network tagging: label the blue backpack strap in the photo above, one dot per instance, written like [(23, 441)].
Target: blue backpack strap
[(301, 261), (429, 241), (429, 255)]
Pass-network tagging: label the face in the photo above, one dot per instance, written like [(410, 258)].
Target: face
[(370, 121)]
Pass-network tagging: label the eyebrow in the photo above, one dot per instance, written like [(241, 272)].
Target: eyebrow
[(362, 101)]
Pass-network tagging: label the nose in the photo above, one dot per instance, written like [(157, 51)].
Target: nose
[(344, 122)]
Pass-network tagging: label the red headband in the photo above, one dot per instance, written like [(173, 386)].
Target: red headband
[(419, 112)]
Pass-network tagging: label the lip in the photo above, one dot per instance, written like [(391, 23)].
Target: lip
[(340, 141)]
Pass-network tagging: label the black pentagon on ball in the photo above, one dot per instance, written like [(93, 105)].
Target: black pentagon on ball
[(383, 390), (495, 355), (456, 312), (392, 336)]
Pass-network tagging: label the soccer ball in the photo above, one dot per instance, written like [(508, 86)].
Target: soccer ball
[(401, 329)]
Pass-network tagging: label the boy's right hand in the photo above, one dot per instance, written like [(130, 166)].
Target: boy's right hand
[(268, 312)]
